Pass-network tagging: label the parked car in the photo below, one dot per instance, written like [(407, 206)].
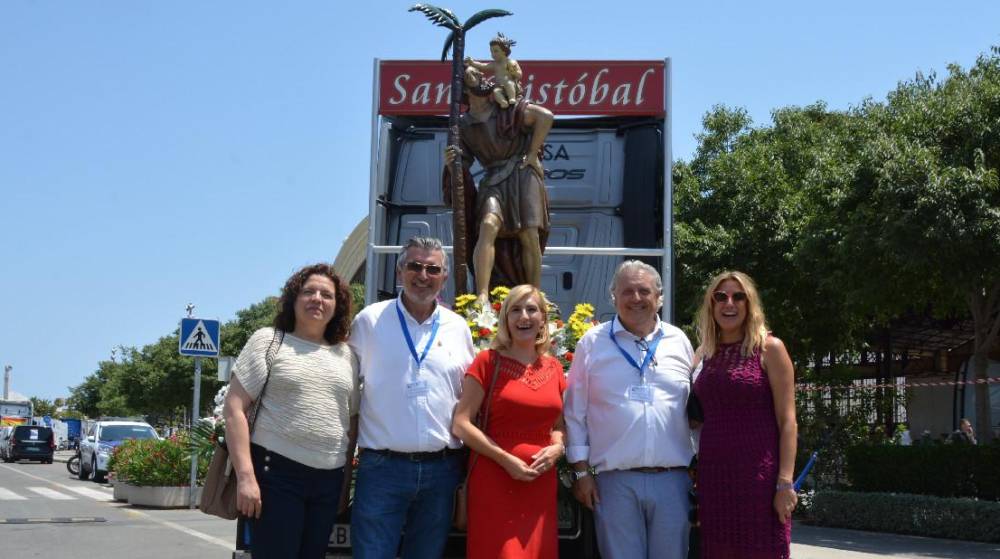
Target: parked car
[(30, 442), (5, 432), (102, 438)]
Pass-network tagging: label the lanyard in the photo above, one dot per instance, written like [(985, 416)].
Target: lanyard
[(649, 352), (409, 339)]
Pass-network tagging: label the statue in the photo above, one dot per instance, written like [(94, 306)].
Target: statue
[(511, 206), (506, 71), (443, 17)]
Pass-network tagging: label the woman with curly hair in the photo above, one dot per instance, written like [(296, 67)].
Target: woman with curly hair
[(747, 451), (293, 466)]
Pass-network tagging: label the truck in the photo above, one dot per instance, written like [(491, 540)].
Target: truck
[(15, 412), (607, 166)]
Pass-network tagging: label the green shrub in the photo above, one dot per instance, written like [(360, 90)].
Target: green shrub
[(944, 470), (921, 515), (155, 462)]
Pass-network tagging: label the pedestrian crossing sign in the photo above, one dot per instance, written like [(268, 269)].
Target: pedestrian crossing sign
[(199, 337)]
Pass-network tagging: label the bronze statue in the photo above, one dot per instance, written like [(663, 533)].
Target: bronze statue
[(506, 71), (511, 205), (443, 17)]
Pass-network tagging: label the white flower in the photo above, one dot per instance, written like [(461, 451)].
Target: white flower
[(485, 319)]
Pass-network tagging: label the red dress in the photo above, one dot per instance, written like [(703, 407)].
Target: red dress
[(738, 460), (510, 518)]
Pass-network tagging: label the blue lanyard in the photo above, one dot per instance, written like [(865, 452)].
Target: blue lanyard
[(649, 353), (409, 339)]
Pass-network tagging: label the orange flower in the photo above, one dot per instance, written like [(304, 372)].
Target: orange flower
[(569, 356), (559, 323)]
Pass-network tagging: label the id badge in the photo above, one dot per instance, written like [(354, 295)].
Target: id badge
[(416, 389), (640, 393)]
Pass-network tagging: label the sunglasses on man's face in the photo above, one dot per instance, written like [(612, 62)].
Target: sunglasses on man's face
[(431, 269), (736, 297)]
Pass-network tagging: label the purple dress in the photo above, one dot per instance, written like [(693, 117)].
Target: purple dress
[(738, 460)]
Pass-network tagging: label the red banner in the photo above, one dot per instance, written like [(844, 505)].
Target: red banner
[(565, 87)]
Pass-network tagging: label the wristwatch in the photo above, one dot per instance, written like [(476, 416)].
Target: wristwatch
[(580, 474)]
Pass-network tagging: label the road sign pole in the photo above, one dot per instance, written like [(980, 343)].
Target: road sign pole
[(194, 421)]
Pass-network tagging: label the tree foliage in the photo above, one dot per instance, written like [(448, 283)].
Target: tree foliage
[(849, 219)]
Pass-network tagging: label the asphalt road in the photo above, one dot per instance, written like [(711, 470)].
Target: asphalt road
[(46, 512)]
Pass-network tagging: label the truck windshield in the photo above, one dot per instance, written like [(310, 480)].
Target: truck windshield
[(122, 432)]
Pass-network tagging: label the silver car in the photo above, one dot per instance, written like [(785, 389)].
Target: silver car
[(101, 440)]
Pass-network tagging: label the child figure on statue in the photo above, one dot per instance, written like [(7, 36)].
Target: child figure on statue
[(506, 71)]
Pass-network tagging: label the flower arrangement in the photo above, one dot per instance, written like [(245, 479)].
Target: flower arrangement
[(155, 462), (210, 430), (483, 323)]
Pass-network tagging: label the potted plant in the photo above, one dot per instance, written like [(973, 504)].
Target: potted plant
[(157, 471)]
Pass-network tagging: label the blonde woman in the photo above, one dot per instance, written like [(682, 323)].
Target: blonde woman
[(747, 451), (512, 480)]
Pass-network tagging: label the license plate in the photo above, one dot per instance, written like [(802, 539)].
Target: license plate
[(341, 535)]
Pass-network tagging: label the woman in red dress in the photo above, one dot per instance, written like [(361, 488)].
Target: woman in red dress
[(512, 477)]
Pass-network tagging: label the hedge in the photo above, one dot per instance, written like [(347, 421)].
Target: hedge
[(944, 470), (921, 515)]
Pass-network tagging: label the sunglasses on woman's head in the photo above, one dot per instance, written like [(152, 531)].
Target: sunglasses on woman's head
[(431, 269), (722, 297)]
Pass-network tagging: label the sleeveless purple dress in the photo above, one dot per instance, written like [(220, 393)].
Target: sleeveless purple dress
[(738, 460)]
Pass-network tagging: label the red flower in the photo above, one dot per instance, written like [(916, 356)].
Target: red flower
[(559, 323), (496, 307), (484, 332), (569, 356)]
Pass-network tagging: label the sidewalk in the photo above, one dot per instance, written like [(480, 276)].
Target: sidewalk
[(813, 542)]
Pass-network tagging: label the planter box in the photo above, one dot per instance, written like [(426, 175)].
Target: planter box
[(161, 496), (122, 491)]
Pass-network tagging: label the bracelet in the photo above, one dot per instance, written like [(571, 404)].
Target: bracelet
[(784, 485)]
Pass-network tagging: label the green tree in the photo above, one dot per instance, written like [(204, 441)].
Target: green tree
[(42, 406), (921, 223), (753, 199)]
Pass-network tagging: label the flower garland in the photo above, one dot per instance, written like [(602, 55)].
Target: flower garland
[(483, 323)]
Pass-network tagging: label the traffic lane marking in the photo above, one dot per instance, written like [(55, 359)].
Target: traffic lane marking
[(8, 495), (229, 545), (51, 493), (132, 512)]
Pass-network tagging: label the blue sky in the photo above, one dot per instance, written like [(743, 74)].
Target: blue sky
[(158, 153)]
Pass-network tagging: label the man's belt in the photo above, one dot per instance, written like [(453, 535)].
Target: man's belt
[(415, 456), (657, 469)]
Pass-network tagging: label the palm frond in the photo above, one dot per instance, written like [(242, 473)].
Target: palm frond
[(441, 18), (484, 15), (447, 46)]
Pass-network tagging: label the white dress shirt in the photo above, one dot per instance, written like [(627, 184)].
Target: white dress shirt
[(394, 416), (613, 432)]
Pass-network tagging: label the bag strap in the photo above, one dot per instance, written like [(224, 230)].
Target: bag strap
[(486, 411), (272, 351)]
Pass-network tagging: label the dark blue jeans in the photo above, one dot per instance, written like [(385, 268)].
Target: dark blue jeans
[(298, 507), (394, 495)]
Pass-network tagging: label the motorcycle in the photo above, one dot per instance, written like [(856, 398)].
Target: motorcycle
[(73, 464)]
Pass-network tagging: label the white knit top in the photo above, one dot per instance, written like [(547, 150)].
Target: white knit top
[(312, 394)]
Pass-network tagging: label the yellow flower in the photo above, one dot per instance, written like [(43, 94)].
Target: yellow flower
[(463, 300), (499, 293), (584, 310)]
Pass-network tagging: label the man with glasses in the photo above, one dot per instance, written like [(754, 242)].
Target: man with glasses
[(626, 422), (413, 355)]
